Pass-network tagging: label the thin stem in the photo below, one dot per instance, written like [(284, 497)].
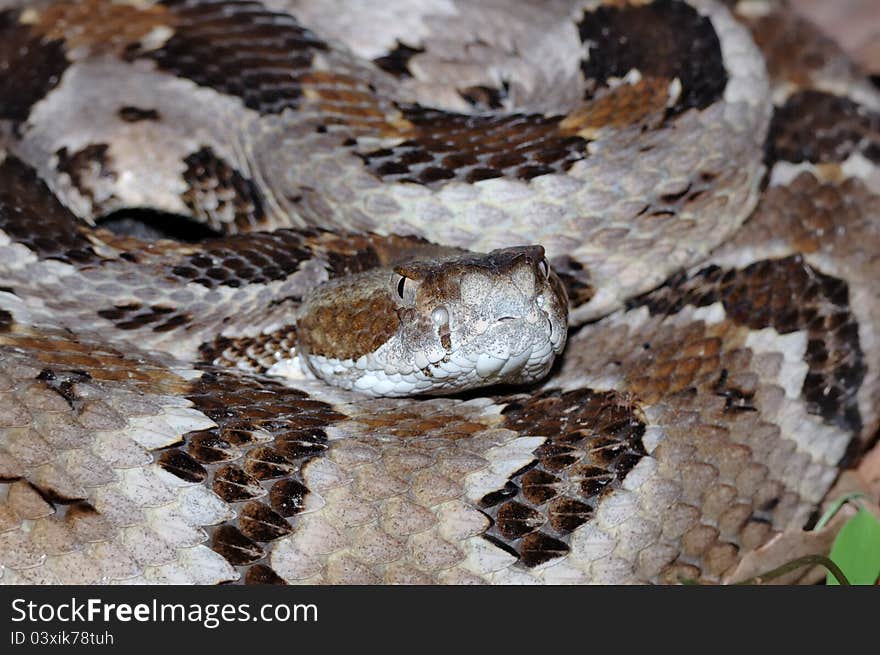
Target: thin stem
[(800, 562)]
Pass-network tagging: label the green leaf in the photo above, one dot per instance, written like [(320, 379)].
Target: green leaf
[(856, 549), (836, 506)]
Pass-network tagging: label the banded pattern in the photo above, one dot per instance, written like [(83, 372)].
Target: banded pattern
[(255, 54)]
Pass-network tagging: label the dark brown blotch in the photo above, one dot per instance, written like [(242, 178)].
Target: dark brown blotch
[(537, 548), (674, 41), (446, 146), (209, 47), (594, 480), (245, 259), (575, 279), (515, 520), (221, 196), (207, 447), (242, 404), (54, 496), (262, 574), (85, 168), (31, 215), (288, 496), (233, 484), (265, 463), (183, 465), (235, 547), (509, 490), (788, 295), (819, 127), (260, 523), (593, 440), (302, 443), (29, 67), (539, 486), (567, 514), (133, 316), (397, 60)]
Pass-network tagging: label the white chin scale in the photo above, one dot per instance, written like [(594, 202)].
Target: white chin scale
[(449, 373)]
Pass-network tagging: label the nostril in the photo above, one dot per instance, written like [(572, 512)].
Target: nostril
[(506, 318)]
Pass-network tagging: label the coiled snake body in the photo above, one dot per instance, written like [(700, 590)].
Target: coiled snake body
[(211, 209)]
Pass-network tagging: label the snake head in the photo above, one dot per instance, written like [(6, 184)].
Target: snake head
[(447, 324)]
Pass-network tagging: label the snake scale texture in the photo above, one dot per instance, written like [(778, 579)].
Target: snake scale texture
[(196, 197)]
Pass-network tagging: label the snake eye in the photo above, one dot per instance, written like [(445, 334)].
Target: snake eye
[(405, 288), (544, 267)]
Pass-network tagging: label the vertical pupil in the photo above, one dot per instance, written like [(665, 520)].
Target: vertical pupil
[(400, 286)]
